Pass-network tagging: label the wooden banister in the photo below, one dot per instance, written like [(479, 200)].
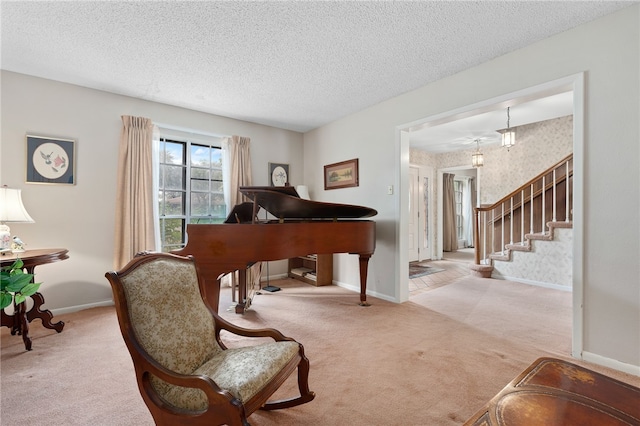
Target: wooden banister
[(538, 188), (536, 193), (529, 183)]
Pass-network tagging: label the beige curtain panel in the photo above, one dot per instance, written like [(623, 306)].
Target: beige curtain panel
[(240, 157), (134, 197), (449, 234), (240, 175)]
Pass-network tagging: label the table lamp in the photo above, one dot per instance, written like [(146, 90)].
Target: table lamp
[(303, 192), (11, 210)]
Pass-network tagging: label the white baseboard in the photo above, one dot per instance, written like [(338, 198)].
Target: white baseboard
[(611, 363), (535, 283), (369, 292), (77, 308)]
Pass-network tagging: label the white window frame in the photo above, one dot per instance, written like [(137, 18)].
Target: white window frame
[(185, 216)]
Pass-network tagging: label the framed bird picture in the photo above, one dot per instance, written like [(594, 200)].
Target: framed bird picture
[(51, 160), (278, 174)]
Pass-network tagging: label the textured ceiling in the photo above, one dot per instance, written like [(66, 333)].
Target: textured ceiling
[(293, 64)]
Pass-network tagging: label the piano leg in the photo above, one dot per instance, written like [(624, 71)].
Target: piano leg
[(242, 291), (364, 263)]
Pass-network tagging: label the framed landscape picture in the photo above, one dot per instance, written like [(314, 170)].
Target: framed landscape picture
[(341, 175), (50, 160)]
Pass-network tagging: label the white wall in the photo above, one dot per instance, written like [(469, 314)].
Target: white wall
[(368, 141), (608, 51), (81, 217)]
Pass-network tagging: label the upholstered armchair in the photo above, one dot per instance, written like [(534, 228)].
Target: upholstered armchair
[(185, 373)]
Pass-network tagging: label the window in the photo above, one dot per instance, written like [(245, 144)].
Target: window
[(457, 190), (190, 189)]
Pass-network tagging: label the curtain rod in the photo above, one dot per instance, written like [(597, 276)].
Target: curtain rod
[(190, 131)]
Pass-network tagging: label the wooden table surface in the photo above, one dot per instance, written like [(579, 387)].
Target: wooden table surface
[(556, 392), (35, 257)]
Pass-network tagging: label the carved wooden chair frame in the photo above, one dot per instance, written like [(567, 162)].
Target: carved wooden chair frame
[(223, 406)]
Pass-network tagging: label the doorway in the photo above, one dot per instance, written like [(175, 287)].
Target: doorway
[(573, 84), (465, 207)]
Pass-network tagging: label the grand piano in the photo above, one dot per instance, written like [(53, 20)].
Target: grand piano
[(301, 227)]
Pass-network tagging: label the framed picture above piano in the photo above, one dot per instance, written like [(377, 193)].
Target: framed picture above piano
[(341, 175), (278, 174)]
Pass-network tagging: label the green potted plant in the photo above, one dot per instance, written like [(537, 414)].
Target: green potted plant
[(15, 284)]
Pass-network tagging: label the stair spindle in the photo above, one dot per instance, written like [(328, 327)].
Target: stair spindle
[(543, 204), (522, 217), (567, 210), (531, 212), (554, 195), (511, 223)]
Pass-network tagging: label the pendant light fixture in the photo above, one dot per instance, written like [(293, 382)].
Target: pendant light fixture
[(477, 159), (508, 134)]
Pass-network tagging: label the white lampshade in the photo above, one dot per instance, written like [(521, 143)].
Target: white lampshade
[(303, 192), (477, 159), (508, 138), (11, 210), (11, 207), (508, 134)]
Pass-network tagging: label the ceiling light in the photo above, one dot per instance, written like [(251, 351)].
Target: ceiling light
[(477, 159), (508, 134)]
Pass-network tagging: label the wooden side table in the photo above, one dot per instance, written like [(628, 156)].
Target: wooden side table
[(19, 321)]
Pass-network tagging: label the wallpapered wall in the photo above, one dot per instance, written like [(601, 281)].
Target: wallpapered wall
[(538, 146), (549, 263)]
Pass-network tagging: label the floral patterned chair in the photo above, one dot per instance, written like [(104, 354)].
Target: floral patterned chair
[(185, 373)]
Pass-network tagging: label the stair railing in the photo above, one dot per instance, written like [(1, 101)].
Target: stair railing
[(511, 221)]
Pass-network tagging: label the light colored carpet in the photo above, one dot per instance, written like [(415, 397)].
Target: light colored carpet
[(432, 361), (460, 255)]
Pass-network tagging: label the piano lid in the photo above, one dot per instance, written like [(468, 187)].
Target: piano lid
[(284, 202)]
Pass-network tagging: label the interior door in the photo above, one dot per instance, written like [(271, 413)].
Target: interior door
[(414, 214)]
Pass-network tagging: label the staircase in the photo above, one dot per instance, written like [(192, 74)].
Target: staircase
[(511, 234)]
